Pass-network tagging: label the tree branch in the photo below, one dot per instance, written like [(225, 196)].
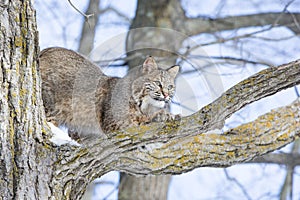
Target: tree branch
[(117, 12), (287, 188), (84, 15), (290, 159), (260, 85), (194, 26), (182, 145), (267, 133)]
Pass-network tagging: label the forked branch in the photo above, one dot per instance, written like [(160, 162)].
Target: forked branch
[(180, 146)]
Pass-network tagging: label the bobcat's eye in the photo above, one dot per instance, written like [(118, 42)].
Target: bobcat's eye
[(157, 83), (170, 87)]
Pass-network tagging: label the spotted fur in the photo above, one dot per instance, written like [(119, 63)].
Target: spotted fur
[(78, 95)]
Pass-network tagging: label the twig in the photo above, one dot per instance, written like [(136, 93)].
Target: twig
[(111, 192), (244, 191), (183, 106), (111, 9), (297, 91), (83, 14)]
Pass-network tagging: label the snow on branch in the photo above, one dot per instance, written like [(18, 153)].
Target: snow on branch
[(60, 137)]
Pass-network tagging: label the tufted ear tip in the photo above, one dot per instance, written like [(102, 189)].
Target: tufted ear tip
[(149, 65), (173, 71)]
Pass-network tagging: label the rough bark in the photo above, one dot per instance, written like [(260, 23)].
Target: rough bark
[(130, 150), (178, 154), (24, 156), (146, 188)]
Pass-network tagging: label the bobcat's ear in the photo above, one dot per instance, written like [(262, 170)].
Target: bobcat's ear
[(173, 71), (149, 65)]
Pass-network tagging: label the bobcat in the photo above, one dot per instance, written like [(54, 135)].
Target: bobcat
[(78, 95)]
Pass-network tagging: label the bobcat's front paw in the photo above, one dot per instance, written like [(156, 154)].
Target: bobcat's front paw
[(163, 115)]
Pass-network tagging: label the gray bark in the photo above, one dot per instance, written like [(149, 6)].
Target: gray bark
[(25, 159), (288, 159), (146, 188)]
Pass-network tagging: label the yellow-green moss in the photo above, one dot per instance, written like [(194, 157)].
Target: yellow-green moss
[(19, 41), (283, 137)]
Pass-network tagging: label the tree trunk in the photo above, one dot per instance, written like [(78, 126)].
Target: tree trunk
[(160, 42), (149, 14), (23, 156), (287, 188), (143, 188), (89, 28)]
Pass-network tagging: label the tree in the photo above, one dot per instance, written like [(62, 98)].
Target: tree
[(34, 168), (25, 151)]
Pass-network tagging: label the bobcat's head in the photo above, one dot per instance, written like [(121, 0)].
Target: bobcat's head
[(155, 87)]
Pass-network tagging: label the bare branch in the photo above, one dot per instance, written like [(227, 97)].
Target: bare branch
[(247, 35), (236, 182), (290, 159), (258, 86), (117, 12), (196, 26), (229, 59), (84, 15)]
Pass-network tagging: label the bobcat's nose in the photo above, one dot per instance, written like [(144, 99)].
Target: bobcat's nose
[(166, 95)]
